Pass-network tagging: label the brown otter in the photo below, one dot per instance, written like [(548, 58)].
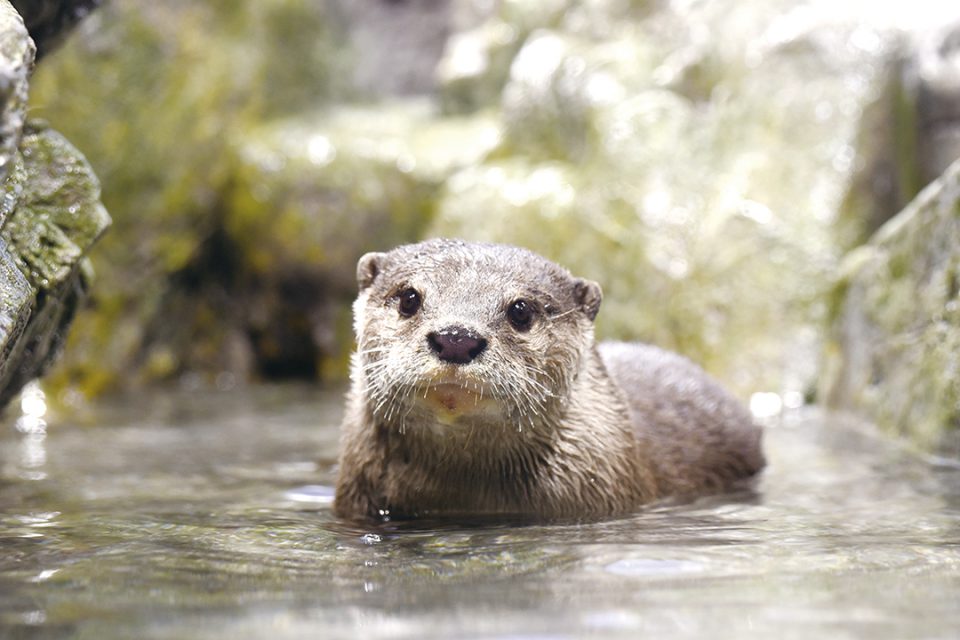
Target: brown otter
[(477, 389)]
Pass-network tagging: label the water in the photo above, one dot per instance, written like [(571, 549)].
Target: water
[(207, 515)]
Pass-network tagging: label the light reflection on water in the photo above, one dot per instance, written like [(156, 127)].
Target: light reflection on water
[(208, 516)]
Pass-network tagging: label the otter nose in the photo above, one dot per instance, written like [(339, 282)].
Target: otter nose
[(456, 344)]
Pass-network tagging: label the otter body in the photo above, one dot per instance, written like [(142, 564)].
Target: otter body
[(477, 388)]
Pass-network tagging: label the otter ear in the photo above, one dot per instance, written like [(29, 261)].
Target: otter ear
[(368, 268), (588, 295)]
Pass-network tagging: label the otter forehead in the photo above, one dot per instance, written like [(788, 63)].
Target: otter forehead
[(475, 268)]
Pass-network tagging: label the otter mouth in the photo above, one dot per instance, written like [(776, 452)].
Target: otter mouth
[(450, 400)]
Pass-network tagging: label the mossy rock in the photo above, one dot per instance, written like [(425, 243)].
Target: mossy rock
[(55, 219), (894, 353), (58, 214)]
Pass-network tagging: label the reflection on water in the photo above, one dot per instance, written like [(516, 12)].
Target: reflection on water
[(208, 516)]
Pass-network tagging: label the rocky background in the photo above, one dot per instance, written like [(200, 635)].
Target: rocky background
[(722, 168)]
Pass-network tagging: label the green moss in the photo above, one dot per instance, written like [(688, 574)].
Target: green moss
[(53, 217), (58, 214)]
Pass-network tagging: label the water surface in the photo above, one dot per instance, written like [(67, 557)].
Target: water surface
[(207, 515)]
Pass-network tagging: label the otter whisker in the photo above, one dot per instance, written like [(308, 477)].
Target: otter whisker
[(565, 313)]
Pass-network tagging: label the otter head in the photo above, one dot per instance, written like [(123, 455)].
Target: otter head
[(455, 333)]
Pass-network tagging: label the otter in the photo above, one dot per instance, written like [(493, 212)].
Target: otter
[(477, 389)]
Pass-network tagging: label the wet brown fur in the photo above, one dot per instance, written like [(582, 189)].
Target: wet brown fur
[(563, 428)]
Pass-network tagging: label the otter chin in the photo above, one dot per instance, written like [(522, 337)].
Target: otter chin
[(477, 388), (452, 400)]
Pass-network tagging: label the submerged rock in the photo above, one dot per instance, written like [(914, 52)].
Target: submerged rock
[(894, 353)]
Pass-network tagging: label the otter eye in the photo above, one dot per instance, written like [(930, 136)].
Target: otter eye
[(520, 315), (409, 302)]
